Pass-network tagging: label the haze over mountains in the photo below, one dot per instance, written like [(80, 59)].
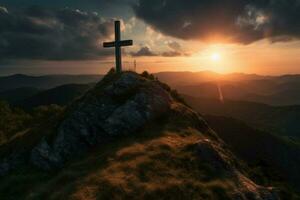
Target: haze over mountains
[(252, 98), (273, 90), (281, 120)]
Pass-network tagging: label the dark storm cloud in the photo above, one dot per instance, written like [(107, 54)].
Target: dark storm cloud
[(115, 8), (242, 21), (67, 3), (64, 34)]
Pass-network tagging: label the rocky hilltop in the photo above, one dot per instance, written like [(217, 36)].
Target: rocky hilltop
[(164, 149), (119, 105)]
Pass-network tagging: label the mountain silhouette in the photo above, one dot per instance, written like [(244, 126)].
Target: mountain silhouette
[(280, 120), (129, 137), (44, 82)]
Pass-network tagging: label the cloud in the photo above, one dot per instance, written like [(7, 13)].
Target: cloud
[(3, 9), (175, 51), (69, 3), (171, 54), (174, 45), (144, 51), (233, 21), (46, 34), (147, 52)]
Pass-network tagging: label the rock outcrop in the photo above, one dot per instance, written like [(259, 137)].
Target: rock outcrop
[(119, 105)]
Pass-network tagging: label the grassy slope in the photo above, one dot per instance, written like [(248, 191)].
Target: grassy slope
[(41, 123), (159, 164), (272, 160)]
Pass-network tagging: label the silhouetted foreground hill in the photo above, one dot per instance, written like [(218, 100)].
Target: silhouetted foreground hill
[(277, 120), (44, 82), (130, 137)]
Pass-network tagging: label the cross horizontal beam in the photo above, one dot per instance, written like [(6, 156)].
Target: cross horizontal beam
[(126, 43), (109, 44), (118, 44)]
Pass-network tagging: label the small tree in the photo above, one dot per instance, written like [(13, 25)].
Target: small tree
[(147, 75)]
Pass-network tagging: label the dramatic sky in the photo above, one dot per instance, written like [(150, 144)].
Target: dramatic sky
[(65, 36)]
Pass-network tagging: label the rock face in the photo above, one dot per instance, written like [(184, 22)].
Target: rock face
[(112, 109)]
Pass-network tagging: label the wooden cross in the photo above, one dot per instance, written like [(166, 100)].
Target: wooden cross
[(118, 43)]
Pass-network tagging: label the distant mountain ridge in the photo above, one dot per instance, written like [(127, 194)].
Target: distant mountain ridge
[(241, 97), (185, 78), (274, 90), (61, 95), (14, 96), (45, 82), (283, 120)]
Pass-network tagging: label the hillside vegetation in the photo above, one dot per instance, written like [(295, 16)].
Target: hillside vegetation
[(15, 122), (272, 159), (160, 164)]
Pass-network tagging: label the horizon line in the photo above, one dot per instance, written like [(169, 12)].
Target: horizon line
[(193, 72)]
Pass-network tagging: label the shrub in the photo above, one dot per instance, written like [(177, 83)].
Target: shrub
[(147, 75), (41, 114), (12, 120)]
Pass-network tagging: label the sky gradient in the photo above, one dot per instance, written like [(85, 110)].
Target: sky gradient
[(65, 37)]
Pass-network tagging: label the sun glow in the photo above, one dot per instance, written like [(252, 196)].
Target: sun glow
[(215, 57)]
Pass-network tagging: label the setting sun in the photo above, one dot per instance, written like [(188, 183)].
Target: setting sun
[(215, 57)]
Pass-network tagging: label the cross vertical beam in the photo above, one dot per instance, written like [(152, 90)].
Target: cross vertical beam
[(118, 47), (118, 43)]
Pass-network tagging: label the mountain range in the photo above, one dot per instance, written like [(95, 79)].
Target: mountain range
[(200, 90), (273, 90), (44, 82), (280, 120), (131, 136)]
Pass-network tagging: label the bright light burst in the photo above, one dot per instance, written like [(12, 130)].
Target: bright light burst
[(215, 57)]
